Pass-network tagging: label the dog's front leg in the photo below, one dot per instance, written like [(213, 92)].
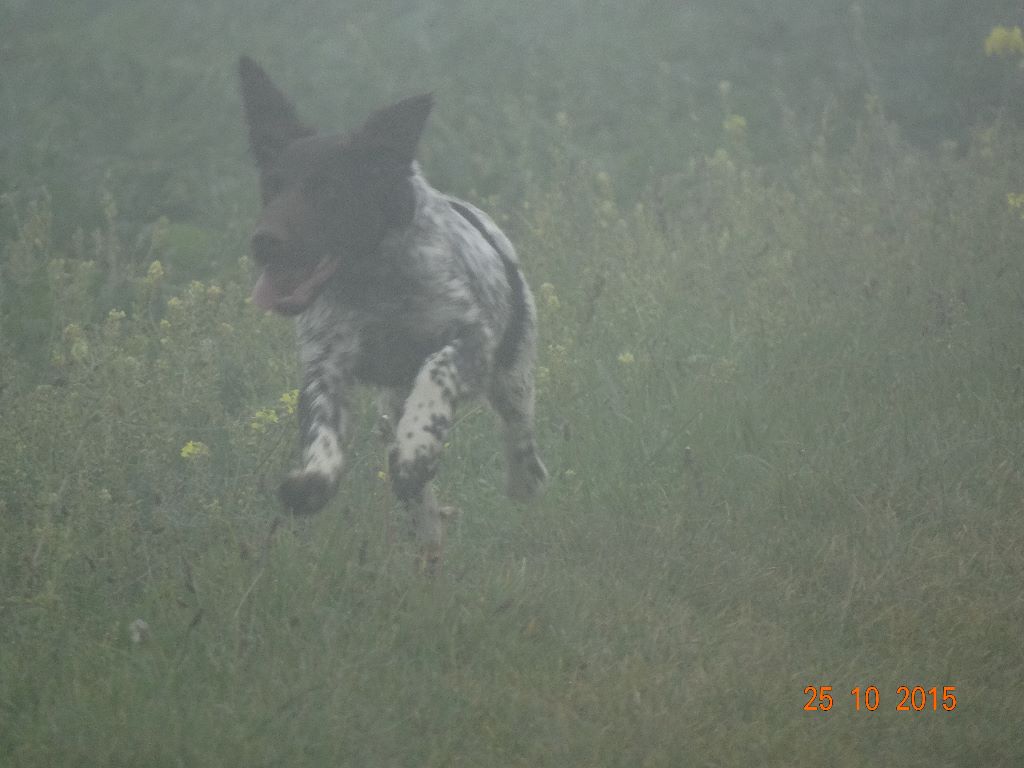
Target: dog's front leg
[(455, 372), (323, 418)]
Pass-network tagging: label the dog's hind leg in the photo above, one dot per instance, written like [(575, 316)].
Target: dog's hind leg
[(512, 396)]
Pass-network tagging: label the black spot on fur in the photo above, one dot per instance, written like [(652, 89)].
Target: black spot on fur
[(408, 480), (438, 427)]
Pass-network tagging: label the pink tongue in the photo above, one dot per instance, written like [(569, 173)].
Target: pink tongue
[(263, 294)]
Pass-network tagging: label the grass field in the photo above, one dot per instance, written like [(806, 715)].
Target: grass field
[(783, 414)]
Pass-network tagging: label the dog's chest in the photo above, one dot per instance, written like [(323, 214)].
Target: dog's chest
[(398, 330), (390, 353)]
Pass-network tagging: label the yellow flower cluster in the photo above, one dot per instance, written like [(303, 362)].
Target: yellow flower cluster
[(1015, 201), (1004, 41), (155, 273), (262, 418), (194, 449), (290, 401), (286, 405)]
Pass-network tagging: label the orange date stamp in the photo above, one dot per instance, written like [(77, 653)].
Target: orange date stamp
[(908, 698)]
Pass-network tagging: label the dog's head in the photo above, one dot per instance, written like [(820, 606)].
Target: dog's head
[(327, 200)]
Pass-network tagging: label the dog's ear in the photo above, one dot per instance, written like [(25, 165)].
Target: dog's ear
[(396, 129), (273, 123)]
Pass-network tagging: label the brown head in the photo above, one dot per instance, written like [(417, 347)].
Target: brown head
[(327, 200)]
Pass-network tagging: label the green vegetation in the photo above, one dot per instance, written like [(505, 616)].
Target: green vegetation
[(782, 405)]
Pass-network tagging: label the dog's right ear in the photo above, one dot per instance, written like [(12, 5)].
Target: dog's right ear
[(273, 123)]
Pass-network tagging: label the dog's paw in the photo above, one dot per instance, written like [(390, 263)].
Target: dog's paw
[(526, 476), (303, 493)]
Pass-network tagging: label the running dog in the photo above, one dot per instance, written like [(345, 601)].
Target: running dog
[(393, 284)]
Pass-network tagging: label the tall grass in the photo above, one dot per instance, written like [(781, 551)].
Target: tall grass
[(783, 418)]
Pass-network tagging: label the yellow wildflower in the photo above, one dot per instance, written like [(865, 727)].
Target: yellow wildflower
[(290, 400), (626, 358), (1004, 41), (262, 418), (194, 449)]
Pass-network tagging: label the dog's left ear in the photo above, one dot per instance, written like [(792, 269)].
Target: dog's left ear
[(396, 129)]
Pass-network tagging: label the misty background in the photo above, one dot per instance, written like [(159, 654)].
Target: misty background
[(145, 93), (775, 248)]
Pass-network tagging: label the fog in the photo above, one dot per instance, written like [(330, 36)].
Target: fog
[(773, 254)]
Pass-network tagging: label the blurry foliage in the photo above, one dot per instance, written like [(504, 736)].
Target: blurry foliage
[(146, 92)]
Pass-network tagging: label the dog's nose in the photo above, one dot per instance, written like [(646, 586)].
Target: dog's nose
[(266, 247)]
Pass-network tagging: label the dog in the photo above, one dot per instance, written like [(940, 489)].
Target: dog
[(392, 284)]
